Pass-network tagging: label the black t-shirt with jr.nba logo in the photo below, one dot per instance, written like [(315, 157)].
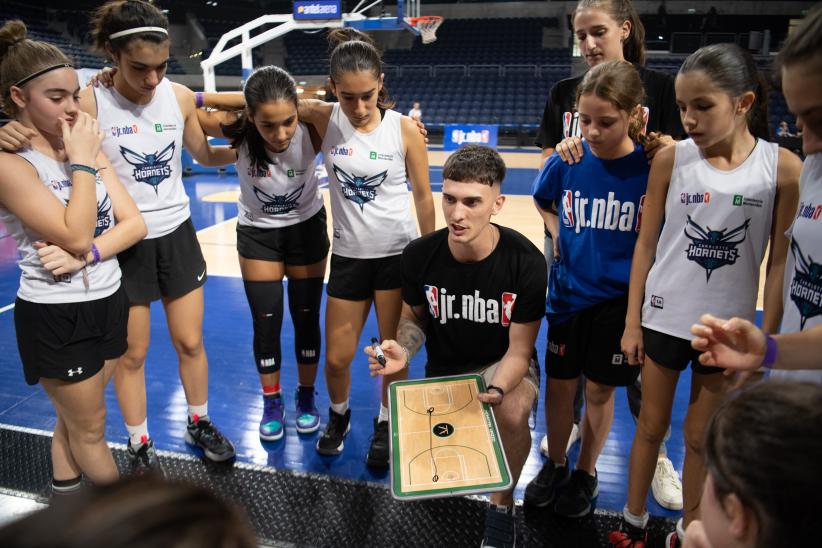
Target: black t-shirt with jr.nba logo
[(560, 119), (472, 305)]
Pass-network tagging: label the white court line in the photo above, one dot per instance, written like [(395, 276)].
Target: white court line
[(6, 308)]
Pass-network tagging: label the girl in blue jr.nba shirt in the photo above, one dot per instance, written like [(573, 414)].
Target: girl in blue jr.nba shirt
[(600, 204)]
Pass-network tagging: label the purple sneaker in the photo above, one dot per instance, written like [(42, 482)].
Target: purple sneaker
[(271, 425), (308, 418)]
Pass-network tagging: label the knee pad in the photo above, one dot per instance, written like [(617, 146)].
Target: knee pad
[(266, 302), (304, 298)]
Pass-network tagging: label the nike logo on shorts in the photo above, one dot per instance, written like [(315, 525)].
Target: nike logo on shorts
[(200, 277)]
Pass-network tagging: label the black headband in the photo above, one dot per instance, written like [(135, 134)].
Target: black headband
[(41, 72)]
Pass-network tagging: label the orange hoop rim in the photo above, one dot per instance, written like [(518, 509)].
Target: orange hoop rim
[(425, 19)]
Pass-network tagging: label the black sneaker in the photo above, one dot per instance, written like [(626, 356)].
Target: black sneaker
[(331, 442), (203, 434), (378, 451), (500, 528), (576, 500), (628, 536), (144, 460), (543, 489)]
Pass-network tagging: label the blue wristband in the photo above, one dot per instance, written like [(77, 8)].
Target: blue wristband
[(83, 167), (199, 99), (95, 254), (770, 353)]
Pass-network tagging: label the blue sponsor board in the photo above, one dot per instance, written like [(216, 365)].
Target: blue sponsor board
[(317, 9), (457, 135)]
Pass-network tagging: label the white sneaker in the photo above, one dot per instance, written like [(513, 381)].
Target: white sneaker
[(666, 486), (572, 439)]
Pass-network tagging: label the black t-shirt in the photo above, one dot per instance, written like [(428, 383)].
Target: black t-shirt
[(559, 119), (471, 305)]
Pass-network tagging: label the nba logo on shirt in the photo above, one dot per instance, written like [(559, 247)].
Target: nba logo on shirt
[(432, 296), (568, 209), (507, 307), (570, 124)]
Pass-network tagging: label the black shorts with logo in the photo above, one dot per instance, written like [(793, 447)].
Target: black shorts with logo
[(299, 244), (590, 343), (168, 266), (357, 279), (70, 341), (673, 353)]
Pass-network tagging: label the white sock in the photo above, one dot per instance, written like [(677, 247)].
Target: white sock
[(340, 408), (198, 411), (636, 521), (383, 414), (138, 434), (680, 530)]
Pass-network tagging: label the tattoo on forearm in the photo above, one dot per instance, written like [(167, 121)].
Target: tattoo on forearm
[(410, 336)]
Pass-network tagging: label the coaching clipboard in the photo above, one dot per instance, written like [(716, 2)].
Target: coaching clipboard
[(444, 441)]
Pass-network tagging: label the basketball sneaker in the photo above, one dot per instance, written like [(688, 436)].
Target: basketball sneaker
[(308, 418), (577, 499), (144, 458), (500, 527), (628, 536), (672, 540), (666, 487), (202, 433), (331, 442), (271, 425), (543, 489), (378, 451)]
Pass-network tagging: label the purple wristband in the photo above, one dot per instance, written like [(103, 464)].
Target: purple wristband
[(199, 99), (95, 255), (770, 353)]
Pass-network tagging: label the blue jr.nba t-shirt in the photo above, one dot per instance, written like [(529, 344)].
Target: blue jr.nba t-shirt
[(599, 203)]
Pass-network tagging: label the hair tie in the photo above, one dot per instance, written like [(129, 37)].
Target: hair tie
[(41, 72), (135, 30)]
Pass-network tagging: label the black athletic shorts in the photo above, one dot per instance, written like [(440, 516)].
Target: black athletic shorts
[(299, 244), (70, 341), (590, 344), (168, 266), (357, 279), (673, 353)]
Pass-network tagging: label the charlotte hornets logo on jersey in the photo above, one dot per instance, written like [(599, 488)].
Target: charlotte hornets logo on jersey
[(359, 190), (279, 204), (806, 286), (151, 169), (712, 249), (103, 217)]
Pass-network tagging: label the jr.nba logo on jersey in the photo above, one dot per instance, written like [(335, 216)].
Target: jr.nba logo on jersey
[(806, 286), (508, 300), (712, 249), (432, 296), (151, 169), (359, 190), (279, 204)]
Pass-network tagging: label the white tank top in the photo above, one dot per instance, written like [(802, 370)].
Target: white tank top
[(370, 206), (287, 192), (144, 144), (717, 225), (37, 284), (803, 269)]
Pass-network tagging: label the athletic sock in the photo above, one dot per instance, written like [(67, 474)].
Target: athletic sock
[(383, 414), (138, 434), (271, 389), (636, 521), (196, 412), (66, 487), (340, 408)]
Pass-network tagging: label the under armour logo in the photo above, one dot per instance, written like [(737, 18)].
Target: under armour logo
[(78, 371)]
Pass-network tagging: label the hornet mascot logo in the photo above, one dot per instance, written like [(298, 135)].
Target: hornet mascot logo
[(103, 217), (151, 169), (359, 190), (806, 286), (278, 204), (712, 249)]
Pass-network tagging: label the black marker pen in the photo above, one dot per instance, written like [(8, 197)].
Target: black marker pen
[(375, 344)]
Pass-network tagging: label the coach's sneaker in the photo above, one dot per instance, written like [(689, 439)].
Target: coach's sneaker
[(202, 433), (577, 499), (666, 487), (308, 418), (572, 439), (378, 451), (271, 425), (144, 458), (628, 536), (500, 527), (543, 489), (331, 442)]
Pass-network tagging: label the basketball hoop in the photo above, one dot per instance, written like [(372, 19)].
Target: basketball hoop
[(427, 25)]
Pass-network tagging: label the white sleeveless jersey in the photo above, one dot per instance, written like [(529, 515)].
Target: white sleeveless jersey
[(144, 144), (717, 225), (803, 269), (287, 192), (37, 284), (370, 205)]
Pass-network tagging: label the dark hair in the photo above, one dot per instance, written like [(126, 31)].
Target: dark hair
[(20, 58), (619, 83), (146, 512), (764, 444), (475, 164), (804, 43), (354, 51), (119, 15), (265, 84), (732, 69), (633, 48)]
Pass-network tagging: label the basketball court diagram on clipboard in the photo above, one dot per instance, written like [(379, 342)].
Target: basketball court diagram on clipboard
[(444, 441)]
